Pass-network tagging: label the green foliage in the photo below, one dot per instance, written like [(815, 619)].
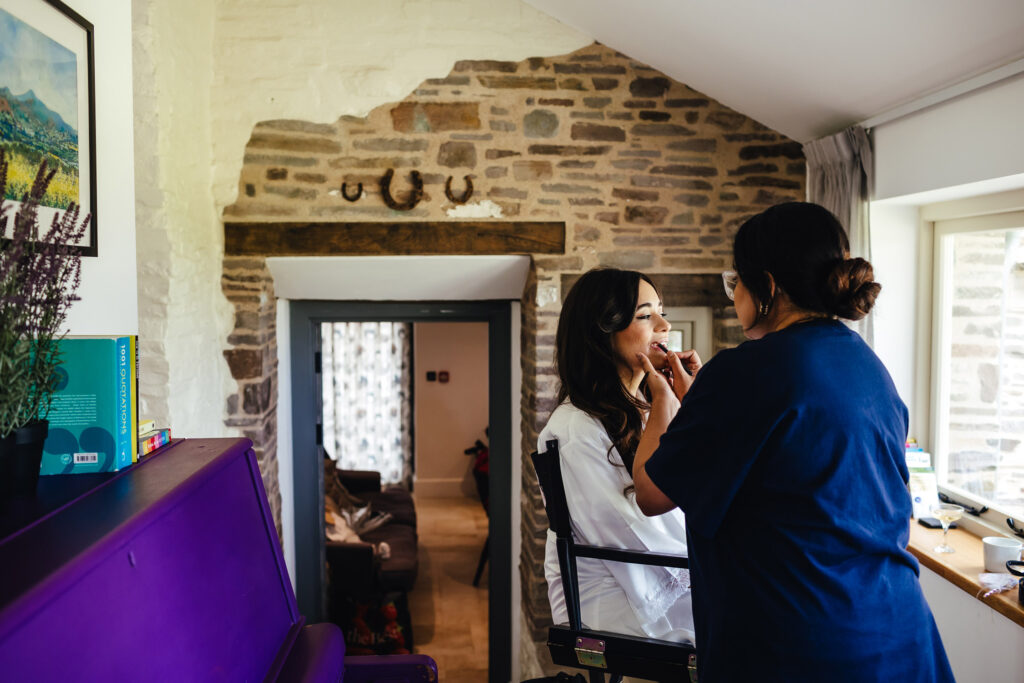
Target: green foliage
[(39, 274)]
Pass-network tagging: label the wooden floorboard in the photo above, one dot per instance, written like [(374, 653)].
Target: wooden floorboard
[(449, 615)]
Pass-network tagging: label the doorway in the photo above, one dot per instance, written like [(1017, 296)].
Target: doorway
[(305, 318)]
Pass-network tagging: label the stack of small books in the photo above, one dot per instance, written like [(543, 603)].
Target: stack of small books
[(152, 437)]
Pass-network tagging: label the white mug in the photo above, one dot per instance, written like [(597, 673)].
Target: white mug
[(999, 549)]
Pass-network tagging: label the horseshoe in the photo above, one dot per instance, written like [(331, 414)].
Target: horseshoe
[(465, 195), (414, 196), (358, 194)]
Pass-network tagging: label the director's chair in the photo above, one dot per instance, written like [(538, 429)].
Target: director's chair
[(601, 652)]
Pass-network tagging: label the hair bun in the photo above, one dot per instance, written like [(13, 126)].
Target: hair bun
[(851, 290)]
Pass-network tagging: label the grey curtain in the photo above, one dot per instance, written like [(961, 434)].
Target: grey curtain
[(840, 177)]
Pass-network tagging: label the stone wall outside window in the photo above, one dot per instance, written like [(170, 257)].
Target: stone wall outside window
[(986, 367)]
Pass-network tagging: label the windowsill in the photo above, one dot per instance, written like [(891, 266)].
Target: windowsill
[(962, 567)]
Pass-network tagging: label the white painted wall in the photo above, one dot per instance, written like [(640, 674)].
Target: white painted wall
[(108, 289), (449, 417), (285, 464), (894, 249), (184, 317), (968, 146), (208, 72), (983, 646)]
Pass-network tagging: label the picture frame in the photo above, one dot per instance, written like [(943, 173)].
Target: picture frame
[(48, 107), (691, 329)]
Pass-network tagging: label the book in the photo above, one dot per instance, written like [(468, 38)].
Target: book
[(146, 426), (125, 435), (924, 491), (94, 410), (133, 434), (153, 439)]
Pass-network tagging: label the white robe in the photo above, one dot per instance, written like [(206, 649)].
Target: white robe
[(632, 599)]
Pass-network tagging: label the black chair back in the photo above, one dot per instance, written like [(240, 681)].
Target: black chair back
[(549, 475)]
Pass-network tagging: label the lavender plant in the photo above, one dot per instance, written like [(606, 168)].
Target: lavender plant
[(39, 276)]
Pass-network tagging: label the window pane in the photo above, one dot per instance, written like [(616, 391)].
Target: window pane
[(984, 425)]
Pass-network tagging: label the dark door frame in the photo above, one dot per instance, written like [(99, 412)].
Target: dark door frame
[(310, 558)]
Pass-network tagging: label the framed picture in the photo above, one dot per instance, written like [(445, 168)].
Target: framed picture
[(47, 106), (691, 329)]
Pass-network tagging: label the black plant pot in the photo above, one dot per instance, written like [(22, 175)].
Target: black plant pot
[(21, 454)]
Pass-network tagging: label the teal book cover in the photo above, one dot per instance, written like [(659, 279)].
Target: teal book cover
[(90, 417)]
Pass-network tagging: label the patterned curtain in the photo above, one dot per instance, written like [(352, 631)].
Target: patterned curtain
[(367, 399)]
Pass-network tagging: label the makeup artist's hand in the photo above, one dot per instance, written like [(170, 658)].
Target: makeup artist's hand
[(659, 383), (691, 361), (674, 381)]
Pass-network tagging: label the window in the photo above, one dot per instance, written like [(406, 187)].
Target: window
[(978, 361), (691, 329)]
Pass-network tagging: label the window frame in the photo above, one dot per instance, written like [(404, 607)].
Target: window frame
[(939, 223)]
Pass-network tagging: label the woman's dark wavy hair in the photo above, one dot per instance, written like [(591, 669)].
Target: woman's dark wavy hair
[(602, 302), (806, 250)]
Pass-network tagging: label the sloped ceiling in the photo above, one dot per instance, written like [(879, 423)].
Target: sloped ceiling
[(807, 68)]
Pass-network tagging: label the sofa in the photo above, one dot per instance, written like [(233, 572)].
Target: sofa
[(353, 568)]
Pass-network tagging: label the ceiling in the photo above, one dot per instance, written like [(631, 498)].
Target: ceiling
[(807, 68)]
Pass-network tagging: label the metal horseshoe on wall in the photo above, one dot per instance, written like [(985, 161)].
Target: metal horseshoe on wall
[(467, 193), (358, 194), (415, 195)]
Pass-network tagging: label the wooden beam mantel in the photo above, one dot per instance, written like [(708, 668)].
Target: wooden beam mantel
[(381, 239)]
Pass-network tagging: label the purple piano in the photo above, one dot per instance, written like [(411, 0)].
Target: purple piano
[(170, 570)]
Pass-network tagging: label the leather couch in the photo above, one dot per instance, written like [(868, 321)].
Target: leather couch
[(352, 567)]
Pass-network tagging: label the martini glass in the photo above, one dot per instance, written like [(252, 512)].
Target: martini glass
[(946, 513)]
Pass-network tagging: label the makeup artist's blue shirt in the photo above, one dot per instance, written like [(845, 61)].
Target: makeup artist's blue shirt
[(787, 456)]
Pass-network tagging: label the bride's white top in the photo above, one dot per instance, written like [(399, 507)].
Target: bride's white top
[(633, 599)]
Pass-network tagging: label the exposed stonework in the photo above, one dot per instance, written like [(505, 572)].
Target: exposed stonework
[(252, 358), (645, 172)]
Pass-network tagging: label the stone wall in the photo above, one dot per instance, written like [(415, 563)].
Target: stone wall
[(252, 358), (645, 172), (986, 367)]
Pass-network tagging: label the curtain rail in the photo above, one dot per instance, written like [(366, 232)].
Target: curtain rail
[(945, 94)]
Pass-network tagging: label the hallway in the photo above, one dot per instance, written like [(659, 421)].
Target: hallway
[(449, 615)]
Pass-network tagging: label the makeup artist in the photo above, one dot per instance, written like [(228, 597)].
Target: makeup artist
[(787, 456)]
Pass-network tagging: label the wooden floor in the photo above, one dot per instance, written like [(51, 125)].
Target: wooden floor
[(449, 615)]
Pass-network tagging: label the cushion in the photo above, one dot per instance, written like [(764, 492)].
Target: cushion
[(396, 501), (398, 572), (335, 524)]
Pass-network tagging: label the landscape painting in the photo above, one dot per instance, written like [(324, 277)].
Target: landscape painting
[(46, 106)]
